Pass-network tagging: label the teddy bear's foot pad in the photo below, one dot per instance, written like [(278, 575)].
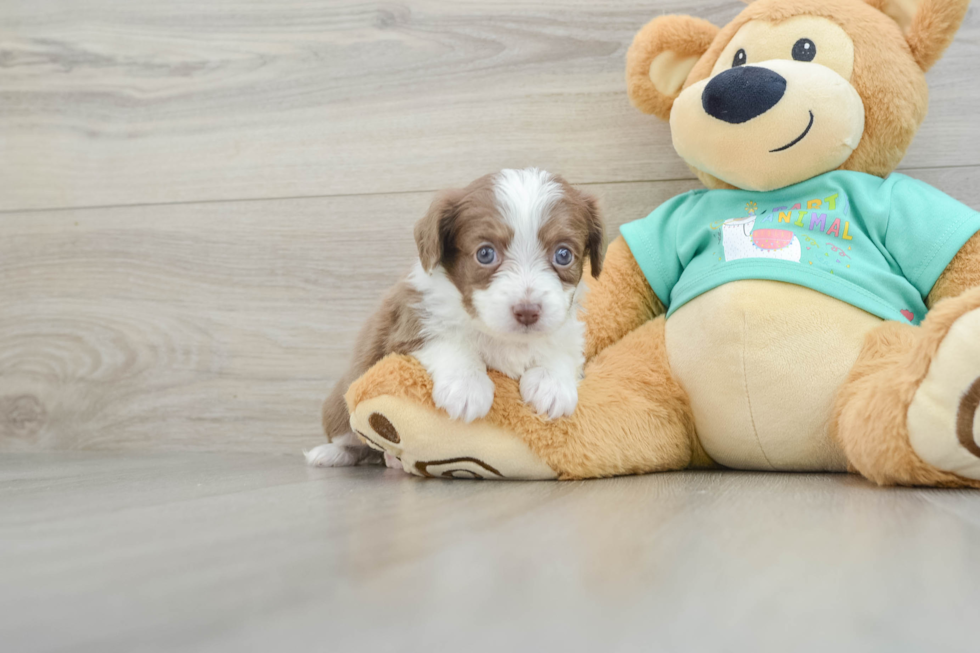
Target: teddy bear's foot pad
[(428, 443), (943, 420)]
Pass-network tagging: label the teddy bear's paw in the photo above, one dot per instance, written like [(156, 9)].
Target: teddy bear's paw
[(428, 443), (464, 396), (549, 393), (943, 420)]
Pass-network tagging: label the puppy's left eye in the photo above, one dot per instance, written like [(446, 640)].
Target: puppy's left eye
[(486, 255), (804, 50), (563, 257)]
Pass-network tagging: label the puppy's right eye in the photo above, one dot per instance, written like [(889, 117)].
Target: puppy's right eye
[(740, 58), (563, 257), (486, 255)]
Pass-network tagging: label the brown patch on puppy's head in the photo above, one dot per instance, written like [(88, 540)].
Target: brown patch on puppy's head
[(457, 225), (479, 227), (433, 233), (576, 223)]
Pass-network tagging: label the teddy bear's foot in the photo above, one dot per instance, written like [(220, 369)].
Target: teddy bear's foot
[(907, 415), (943, 420), (631, 418), (428, 443)]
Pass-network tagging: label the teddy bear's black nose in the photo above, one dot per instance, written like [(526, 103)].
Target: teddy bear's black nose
[(742, 93)]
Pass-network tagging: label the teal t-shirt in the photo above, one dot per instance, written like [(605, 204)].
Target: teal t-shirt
[(879, 244)]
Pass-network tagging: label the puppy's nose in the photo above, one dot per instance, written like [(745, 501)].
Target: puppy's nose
[(527, 314), (742, 93)]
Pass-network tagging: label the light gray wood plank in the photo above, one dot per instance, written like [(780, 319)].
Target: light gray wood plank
[(105, 103), (215, 326), (233, 552)]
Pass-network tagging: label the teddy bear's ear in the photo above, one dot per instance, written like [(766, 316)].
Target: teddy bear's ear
[(929, 25), (660, 59)]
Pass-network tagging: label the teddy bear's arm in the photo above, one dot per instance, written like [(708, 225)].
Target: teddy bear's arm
[(962, 273), (619, 301)]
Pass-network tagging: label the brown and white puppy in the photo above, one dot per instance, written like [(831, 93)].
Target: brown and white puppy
[(497, 284)]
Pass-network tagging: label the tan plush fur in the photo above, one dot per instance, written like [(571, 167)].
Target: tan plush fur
[(929, 30), (685, 36), (619, 301), (870, 417), (962, 273), (632, 416)]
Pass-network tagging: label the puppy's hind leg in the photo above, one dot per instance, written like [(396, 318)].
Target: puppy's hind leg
[(393, 328), (343, 448), (343, 451)]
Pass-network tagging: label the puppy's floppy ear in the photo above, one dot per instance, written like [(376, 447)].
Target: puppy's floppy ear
[(660, 59), (596, 233), (433, 232), (928, 25)]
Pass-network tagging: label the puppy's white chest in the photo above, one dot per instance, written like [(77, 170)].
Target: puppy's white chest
[(565, 347), (512, 359)]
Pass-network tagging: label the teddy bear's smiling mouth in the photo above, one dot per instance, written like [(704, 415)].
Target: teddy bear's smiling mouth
[(797, 139)]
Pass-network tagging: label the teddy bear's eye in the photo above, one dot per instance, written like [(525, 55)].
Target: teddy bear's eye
[(804, 50), (740, 58)]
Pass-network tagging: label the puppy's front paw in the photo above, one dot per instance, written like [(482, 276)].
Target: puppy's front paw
[(549, 393), (464, 396)]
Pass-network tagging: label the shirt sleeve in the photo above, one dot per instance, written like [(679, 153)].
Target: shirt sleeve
[(653, 243), (926, 228)]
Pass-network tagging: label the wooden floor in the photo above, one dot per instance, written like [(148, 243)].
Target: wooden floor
[(199, 204), (247, 552)]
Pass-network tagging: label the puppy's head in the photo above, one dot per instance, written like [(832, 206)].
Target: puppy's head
[(515, 245)]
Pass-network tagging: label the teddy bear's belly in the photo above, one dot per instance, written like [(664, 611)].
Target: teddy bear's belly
[(762, 362)]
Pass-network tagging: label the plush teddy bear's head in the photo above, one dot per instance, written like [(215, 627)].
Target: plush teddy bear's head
[(792, 89)]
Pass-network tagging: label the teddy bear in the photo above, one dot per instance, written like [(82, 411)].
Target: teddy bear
[(809, 310)]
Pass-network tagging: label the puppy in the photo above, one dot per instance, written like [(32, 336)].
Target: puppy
[(497, 284)]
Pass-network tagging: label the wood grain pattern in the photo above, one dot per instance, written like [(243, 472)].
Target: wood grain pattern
[(106, 103), (213, 326), (205, 326), (232, 552)]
